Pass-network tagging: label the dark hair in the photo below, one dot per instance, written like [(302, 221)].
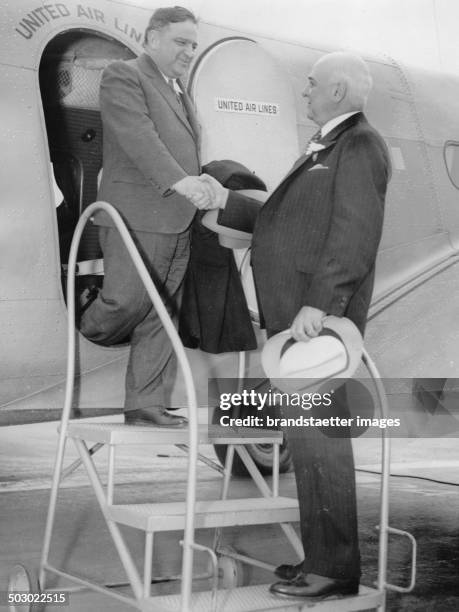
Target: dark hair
[(164, 16)]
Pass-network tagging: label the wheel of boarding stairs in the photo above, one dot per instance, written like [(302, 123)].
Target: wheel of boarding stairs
[(231, 572), (24, 588), (262, 454)]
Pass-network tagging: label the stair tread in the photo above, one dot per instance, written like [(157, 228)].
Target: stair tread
[(211, 505), (208, 513), (257, 598), (119, 433)]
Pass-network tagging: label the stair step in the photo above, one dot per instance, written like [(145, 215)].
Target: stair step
[(118, 433), (259, 599), (170, 516)]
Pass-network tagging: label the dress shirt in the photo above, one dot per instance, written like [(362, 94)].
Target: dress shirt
[(173, 82), (328, 127)]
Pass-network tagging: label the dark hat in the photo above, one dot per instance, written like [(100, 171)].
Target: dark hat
[(233, 175)]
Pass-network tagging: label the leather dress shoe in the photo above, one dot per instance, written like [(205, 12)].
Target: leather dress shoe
[(289, 572), (312, 585), (154, 418)]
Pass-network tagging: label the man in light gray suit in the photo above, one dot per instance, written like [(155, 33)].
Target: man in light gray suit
[(150, 154)]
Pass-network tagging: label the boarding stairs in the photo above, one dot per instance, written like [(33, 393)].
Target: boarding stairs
[(153, 518), (190, 514)]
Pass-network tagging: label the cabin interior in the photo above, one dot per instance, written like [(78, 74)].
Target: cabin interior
[(70, 71)]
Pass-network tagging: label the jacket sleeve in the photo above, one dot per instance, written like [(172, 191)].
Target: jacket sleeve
[(350, 248), (125, 112), (240, 212)]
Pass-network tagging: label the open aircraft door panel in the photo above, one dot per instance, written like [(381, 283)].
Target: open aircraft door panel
[(247, 109)]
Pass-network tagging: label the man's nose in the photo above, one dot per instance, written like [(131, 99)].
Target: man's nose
[(305, 92), (190, 51)]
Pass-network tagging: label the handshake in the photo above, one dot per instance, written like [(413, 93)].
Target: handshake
[(203, 191)]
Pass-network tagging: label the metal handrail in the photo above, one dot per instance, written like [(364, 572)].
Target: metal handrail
[(385, 476), (188, 539), (384, 527), (412, 583)]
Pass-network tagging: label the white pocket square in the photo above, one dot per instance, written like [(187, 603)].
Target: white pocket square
[(318, 167)]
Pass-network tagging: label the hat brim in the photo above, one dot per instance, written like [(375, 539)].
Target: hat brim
[(305, 366)]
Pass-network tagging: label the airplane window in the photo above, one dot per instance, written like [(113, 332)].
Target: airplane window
[(451, 153)]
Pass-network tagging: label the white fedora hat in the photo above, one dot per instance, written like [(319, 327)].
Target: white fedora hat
[(304, 366)]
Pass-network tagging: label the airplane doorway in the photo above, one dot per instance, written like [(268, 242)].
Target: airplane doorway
[(70, 70)]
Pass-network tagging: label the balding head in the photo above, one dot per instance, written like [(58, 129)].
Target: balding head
[(338, 83)]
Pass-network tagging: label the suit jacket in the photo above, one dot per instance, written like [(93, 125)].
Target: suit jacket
[(150, 142), (316, 237)]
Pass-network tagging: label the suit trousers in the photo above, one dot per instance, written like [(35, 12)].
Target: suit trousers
[(325, 480), (323, 461), (123, 309)]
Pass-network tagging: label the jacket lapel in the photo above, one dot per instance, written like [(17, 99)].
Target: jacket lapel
[(148, 66), (329, 140)]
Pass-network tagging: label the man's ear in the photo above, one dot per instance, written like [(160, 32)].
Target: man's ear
[(152, 39), (339, 91)]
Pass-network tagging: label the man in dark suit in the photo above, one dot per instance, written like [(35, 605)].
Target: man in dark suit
[(150, 154), (313, 254)]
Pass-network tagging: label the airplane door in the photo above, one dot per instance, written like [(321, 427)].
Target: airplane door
[(246, 108), (247, 111)]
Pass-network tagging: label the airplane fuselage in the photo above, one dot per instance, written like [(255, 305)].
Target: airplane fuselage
[(247, 89)]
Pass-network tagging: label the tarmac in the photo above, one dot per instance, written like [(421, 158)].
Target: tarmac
[(424, 500)]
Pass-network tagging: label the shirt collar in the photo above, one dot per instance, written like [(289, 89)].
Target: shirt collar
[(175, 84), (330, 125)]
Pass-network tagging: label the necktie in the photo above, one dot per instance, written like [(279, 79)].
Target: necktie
[(176, 93), (312, 141), (315, 137)]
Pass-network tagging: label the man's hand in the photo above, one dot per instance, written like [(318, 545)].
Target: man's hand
[(307, 324), (199, 192), (220, 192)]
